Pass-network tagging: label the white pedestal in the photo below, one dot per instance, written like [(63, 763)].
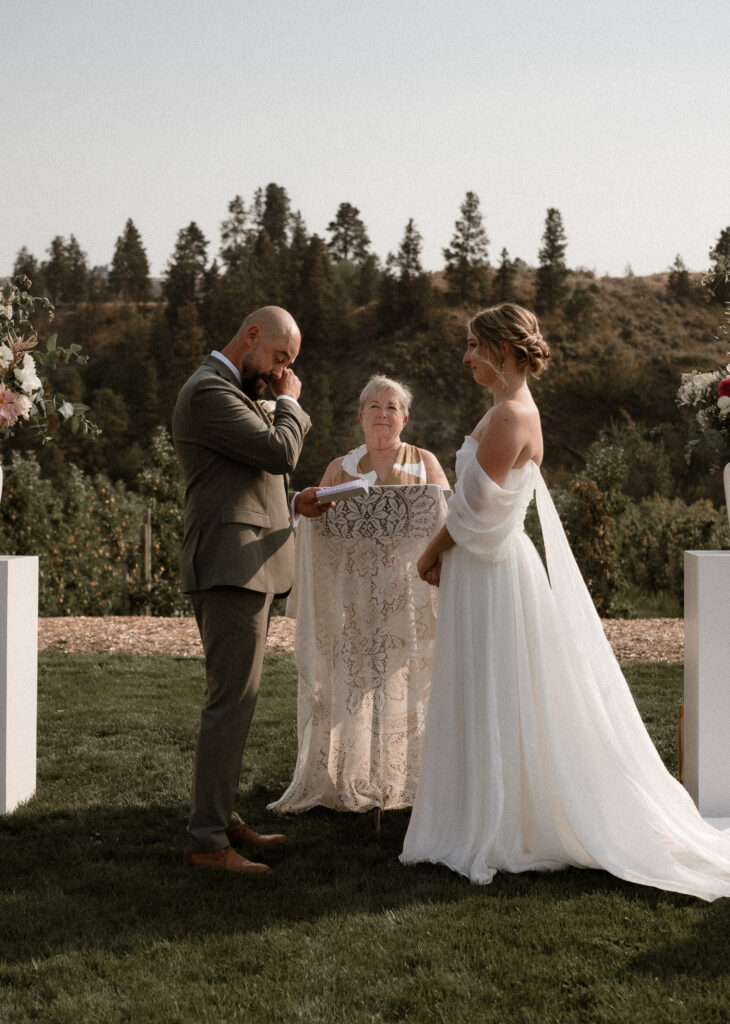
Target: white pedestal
[(18, 678), (707, 681)]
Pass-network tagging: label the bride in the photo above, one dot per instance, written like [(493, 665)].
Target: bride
[(535, 757)]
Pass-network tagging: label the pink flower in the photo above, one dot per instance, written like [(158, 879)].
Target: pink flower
[(723, 388), (8, 408)]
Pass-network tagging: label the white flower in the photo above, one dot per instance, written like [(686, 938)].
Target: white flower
[(7, 309), (24, 405), (704, 419), (27, 376), (723, 406), (6, 357), (66, 410)]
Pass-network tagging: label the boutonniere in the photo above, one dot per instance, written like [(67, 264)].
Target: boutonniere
[(268, 406)]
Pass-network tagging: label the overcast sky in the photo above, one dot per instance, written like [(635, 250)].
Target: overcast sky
[(613, 111)]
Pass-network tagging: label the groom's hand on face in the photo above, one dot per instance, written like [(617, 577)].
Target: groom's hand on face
[(287, 384)]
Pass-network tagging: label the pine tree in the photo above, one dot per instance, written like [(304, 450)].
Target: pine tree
[(78, 272), (317, 316), (66, 273), (26, 263), (367, 280), (234, 236), (679, 283), (185, 270), (55, 270), (408, 257), (505, 277), (348, 237), (276, 215), (720, 274), (467, 257), (129, 275), (263, 277), (293, 287), (412, 289), (552, 271)]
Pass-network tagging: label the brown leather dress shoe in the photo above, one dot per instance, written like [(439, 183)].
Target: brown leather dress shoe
[(227, 860), (244, 835)]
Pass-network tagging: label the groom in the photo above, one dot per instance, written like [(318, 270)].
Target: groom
[(237, 554)]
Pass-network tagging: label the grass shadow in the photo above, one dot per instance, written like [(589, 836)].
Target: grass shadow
[(112, 877)]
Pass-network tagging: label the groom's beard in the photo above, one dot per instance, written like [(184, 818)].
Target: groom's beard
[(254, 386)]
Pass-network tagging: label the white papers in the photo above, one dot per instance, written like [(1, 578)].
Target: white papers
[(350, 489)]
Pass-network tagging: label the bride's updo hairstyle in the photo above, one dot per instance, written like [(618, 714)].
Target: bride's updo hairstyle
[(519, 328)]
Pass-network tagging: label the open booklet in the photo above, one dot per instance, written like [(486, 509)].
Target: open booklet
[(350, 489)]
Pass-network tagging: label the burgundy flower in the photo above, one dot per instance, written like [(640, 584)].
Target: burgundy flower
[(723, 388)]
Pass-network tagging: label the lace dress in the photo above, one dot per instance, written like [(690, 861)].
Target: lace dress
[(365, 628), (535, 756)]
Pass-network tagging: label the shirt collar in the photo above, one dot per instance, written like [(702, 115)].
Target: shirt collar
[(224, 359)]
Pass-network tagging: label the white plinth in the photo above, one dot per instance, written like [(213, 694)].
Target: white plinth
[(18, 678), (707, 681)]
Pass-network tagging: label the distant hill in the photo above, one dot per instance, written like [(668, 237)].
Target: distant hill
[(618, 349)]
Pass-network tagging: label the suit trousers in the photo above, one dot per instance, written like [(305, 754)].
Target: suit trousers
[(233, 623)]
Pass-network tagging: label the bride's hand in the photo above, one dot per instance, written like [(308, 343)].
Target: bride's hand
[(429, 568)]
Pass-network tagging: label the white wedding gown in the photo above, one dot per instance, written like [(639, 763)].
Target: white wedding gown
[(535, 756)]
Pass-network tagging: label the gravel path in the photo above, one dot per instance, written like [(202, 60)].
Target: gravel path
[(642, 639)]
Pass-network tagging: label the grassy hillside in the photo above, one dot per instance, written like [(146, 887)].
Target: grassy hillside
[(618, 351), (619, 347)]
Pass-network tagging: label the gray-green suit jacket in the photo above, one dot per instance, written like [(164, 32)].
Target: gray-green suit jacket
[(234, 463)]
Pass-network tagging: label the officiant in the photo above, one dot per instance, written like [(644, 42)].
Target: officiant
[(384, 458), (365, 621)]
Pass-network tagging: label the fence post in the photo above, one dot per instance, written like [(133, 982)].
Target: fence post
[(147, 533)]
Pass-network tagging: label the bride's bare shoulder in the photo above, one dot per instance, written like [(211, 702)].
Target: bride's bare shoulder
[(481, 425)]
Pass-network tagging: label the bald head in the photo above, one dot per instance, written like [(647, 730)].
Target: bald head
[(265, 344), (271, 320)]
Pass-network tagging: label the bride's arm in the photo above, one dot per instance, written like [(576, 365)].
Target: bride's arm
[(429, 564)]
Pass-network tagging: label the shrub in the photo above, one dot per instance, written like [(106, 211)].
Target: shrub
[(655, 533)]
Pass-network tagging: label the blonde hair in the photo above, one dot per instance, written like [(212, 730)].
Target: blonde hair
[(378, 383), (519, 328)]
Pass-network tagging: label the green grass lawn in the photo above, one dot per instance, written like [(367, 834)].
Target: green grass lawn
[(101, 922)]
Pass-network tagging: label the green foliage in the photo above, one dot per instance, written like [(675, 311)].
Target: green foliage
[(275, 216), (505, 278), (679, 283), (593, 539), (654, 534), (66, 272), (619, 346), (27, 397), (627, 530), (580, 312), (552, 271), (26, 265), (89, 536), (466, 258), (719, 276), (161, 491), (85, 536), (129, 273), (348, 237), (186, 270)]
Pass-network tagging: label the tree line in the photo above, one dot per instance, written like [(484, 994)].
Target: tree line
[(615, 342)]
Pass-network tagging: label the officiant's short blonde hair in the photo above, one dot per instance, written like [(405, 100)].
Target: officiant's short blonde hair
[(378, 383)]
